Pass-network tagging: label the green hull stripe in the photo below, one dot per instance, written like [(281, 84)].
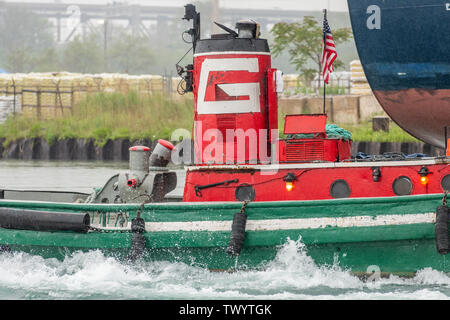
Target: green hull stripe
[(217, 239), (255, 210)]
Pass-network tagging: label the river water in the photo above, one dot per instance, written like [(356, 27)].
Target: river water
[(91, 275)]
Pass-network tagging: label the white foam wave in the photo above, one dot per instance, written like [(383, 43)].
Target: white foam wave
[(292, 275)]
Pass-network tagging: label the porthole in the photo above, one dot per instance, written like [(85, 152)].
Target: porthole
[(402, 186), (245, 192), (340, 189), (445, 183)]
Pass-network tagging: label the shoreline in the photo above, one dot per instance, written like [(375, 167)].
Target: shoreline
[(117, 150)]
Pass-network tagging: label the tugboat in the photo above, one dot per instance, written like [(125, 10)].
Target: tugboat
[(248, 191)]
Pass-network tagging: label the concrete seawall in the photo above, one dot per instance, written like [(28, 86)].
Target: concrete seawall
[(117, 150), (346, 109), (69, 149)]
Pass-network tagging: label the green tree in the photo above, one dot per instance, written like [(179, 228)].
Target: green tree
[(26, 41), (130, 54), (304, 43), (83, 55), (47, 60)]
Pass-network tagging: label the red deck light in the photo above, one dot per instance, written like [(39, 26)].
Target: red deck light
[(289, 179), (289, 186), (424, 180), (424, 172)]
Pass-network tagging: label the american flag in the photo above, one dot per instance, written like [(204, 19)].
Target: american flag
[(329, 51)]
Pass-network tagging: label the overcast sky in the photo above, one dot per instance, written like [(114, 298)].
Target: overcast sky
[(333, 5)]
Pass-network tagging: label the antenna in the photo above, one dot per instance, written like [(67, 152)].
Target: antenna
[(191, 13), (186, 75)]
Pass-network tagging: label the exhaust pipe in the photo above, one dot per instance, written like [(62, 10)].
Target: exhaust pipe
[(161, 154), (139, 165)]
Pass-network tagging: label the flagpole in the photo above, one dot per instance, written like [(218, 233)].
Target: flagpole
[(324, 95), (324, 84)]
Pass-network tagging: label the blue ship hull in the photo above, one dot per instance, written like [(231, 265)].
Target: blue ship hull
[(404, 47)]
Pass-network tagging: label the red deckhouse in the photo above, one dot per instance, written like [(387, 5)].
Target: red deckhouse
[(237, 150)]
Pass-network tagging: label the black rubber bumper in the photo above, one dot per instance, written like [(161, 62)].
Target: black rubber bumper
[(43, 220)]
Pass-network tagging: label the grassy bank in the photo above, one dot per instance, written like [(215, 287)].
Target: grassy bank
[(364, 132), (105, 116)]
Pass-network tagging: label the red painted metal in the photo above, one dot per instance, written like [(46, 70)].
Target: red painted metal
[(303, 150), (305, 123), (166, 144), (421, 112), (344, 150), (296, 150), (311, 183), (221, 80), (139, 148), (132, 183)]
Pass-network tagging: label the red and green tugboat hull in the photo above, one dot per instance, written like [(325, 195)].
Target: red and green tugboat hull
[(396, 234)]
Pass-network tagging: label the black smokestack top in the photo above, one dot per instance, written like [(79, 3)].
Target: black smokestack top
[(248, 29)]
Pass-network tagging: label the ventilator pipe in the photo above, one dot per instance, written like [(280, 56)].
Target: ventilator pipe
[(160, 156), (139, 159)]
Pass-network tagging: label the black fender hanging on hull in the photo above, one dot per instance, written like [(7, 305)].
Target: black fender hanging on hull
[(43, 220), (441, 230)]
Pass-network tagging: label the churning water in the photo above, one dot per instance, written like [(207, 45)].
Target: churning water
[(292, 275), (91, 275)]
